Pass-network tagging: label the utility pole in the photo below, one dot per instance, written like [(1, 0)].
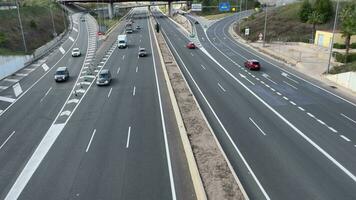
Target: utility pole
[(332, 38), (54, 27), (264, 30), (23, 34)]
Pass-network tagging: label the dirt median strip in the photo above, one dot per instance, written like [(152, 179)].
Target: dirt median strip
[(218, 180)]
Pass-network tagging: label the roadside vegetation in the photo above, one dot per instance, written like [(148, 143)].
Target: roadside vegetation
[(37, 25), (344, 68)]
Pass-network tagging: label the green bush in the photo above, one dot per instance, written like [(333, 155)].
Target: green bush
[(353, 46), (2, 39), (33, 24), (349, 67), (339, 57), (305, 11), (339, 46)]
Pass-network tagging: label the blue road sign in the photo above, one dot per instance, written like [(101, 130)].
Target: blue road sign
[(224, 6)]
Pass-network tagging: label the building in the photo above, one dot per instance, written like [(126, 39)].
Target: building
[(323, 38)]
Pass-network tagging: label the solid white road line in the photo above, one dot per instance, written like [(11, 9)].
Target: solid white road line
[(128, 137), (7, 139), (168, 156), (348, 118), (91, 139), (109, 92), (254, 123), (7, 99), (46, 94), (134, 91), (221, 87), (290, 85), (345, 138)]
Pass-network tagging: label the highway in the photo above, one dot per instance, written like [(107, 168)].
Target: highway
[(76, 140), (287, 137)]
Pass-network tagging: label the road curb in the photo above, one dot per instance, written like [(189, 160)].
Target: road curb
[(192, 165)]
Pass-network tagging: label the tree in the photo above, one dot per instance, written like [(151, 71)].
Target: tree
[(325, 8), (315, 18), (348, 24), (305, 10)]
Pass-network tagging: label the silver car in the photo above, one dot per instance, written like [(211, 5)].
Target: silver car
[(104, 77)]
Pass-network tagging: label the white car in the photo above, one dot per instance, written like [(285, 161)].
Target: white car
[(76, 52)]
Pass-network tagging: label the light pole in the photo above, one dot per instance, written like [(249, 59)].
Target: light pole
[(54, 27), (19, 16), (264, 30), (332, 38)]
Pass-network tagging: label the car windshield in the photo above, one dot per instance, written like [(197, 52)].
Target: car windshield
[(255, 63), (121, 41), (61, 72), (103, 75)]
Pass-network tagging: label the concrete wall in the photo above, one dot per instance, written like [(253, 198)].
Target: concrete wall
[(323, 38), (11, 64), (347, 79)]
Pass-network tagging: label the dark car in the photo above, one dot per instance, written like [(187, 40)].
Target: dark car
[(142, 52), (104, 77), (191, 45), (253, 64), (62, 74)]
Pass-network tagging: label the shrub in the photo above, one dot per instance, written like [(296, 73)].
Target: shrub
[(325, 8), (2, 39), (33, 24), (339, 57), (353, 46), (339, 46), (305, 10), (349, 67)]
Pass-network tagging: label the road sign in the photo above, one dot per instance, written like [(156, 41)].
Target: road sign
[(196, 7), (247, 31), (224, 6)]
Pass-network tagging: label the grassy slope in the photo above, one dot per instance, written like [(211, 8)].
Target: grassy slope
[(35, 12), (283, 24), (344, 68)]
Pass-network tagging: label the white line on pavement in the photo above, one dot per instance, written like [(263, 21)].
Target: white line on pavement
[(7, 139), (109, 92), (136, 69), (45, 67), (348, 118), (71, 38), (134, 91), (221, 87), (345, 138), (46, 94), (91, 139), (290, 85), (11, 80), (300, 108), (62, 50), (17, 89), (76, 30), (254, 123), (203, 67), (7, 99), (118, 71), (128, 137)]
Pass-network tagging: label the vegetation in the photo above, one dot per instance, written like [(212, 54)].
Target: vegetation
[(315, 18), (305, 10), (210, 7), (344, 58), (344, 68), (324, 8), (36, 21), (348, 24)]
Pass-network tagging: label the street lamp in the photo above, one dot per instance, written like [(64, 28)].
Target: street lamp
[(19, 16), (332, 38), (264, 30)]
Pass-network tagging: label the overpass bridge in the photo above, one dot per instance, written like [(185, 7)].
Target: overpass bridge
[(137, 3)]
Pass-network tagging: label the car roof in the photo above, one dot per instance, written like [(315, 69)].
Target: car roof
[(142, 49), (75, 49), (104, 71), (253, 60), (62, 68)]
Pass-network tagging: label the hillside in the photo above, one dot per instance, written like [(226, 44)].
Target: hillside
[(37, 23), (283, 25)]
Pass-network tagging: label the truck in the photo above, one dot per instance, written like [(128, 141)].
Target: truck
[(122, 41)]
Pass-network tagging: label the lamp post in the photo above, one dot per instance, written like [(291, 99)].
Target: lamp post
[(265, 27), (23, 34), (332, 38)]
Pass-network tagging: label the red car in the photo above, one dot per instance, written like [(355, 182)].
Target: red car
[(252, 64), (191, 45)]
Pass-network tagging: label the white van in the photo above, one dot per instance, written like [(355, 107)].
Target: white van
[(122, 41)]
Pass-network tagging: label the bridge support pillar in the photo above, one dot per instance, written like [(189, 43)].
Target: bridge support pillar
[(111, 9), (170, 8)]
